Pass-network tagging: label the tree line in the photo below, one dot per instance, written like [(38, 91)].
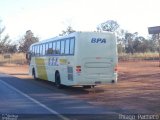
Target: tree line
[(6, 45), (127, 42)]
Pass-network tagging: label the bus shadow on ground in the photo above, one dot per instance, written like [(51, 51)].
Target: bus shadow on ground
[(81, 90), (72, 90)]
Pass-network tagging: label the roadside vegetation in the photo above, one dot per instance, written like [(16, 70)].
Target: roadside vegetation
[(16, 58), (138, 56)]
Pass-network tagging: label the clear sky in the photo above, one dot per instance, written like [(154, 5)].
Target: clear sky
[(47, 18)]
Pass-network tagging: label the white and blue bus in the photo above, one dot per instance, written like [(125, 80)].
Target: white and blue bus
[(78, 59)]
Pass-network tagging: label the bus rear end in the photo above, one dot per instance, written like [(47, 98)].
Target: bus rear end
[(96, 61)]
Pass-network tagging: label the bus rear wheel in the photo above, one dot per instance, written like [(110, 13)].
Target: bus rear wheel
[(58, 81), (34, 74)]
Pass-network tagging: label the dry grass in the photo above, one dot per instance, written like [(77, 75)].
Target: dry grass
[(139, 56), (18, 58)]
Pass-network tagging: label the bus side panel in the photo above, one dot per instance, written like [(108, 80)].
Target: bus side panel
[(67, 71), (41, 68), (61, 66)]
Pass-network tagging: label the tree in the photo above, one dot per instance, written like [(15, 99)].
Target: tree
[(154, 39), (138, 44), (121, 48), (68, 31), (12, 48), (121, 40), (109, 25), (27, 40), (4, 40), (129, 41)]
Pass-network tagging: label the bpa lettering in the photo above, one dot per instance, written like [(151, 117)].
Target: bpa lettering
[(98, 40)]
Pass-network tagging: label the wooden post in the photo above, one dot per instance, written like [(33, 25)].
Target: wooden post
[(159, 49), (155, 30)]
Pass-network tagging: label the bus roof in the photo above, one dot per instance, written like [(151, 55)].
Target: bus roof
[(65, 36)]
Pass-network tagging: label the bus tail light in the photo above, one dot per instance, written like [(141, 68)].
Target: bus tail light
[(78, 69), (116, 68)]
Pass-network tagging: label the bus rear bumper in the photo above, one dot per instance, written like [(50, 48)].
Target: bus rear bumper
[(96, 81)]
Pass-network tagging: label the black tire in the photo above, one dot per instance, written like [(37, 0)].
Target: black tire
[(34, 74), (58, 81), (88, 86)]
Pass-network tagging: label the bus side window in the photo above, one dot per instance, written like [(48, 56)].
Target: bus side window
[(62, 47), (43, 53), (58, 48), (54, 48), (72, 44), (50, 50), (35, 50), (40, 48), (67, 47), (32, 51), (46, 48), (38, 51)]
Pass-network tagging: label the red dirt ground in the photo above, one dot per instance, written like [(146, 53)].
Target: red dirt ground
[(137, 90)]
